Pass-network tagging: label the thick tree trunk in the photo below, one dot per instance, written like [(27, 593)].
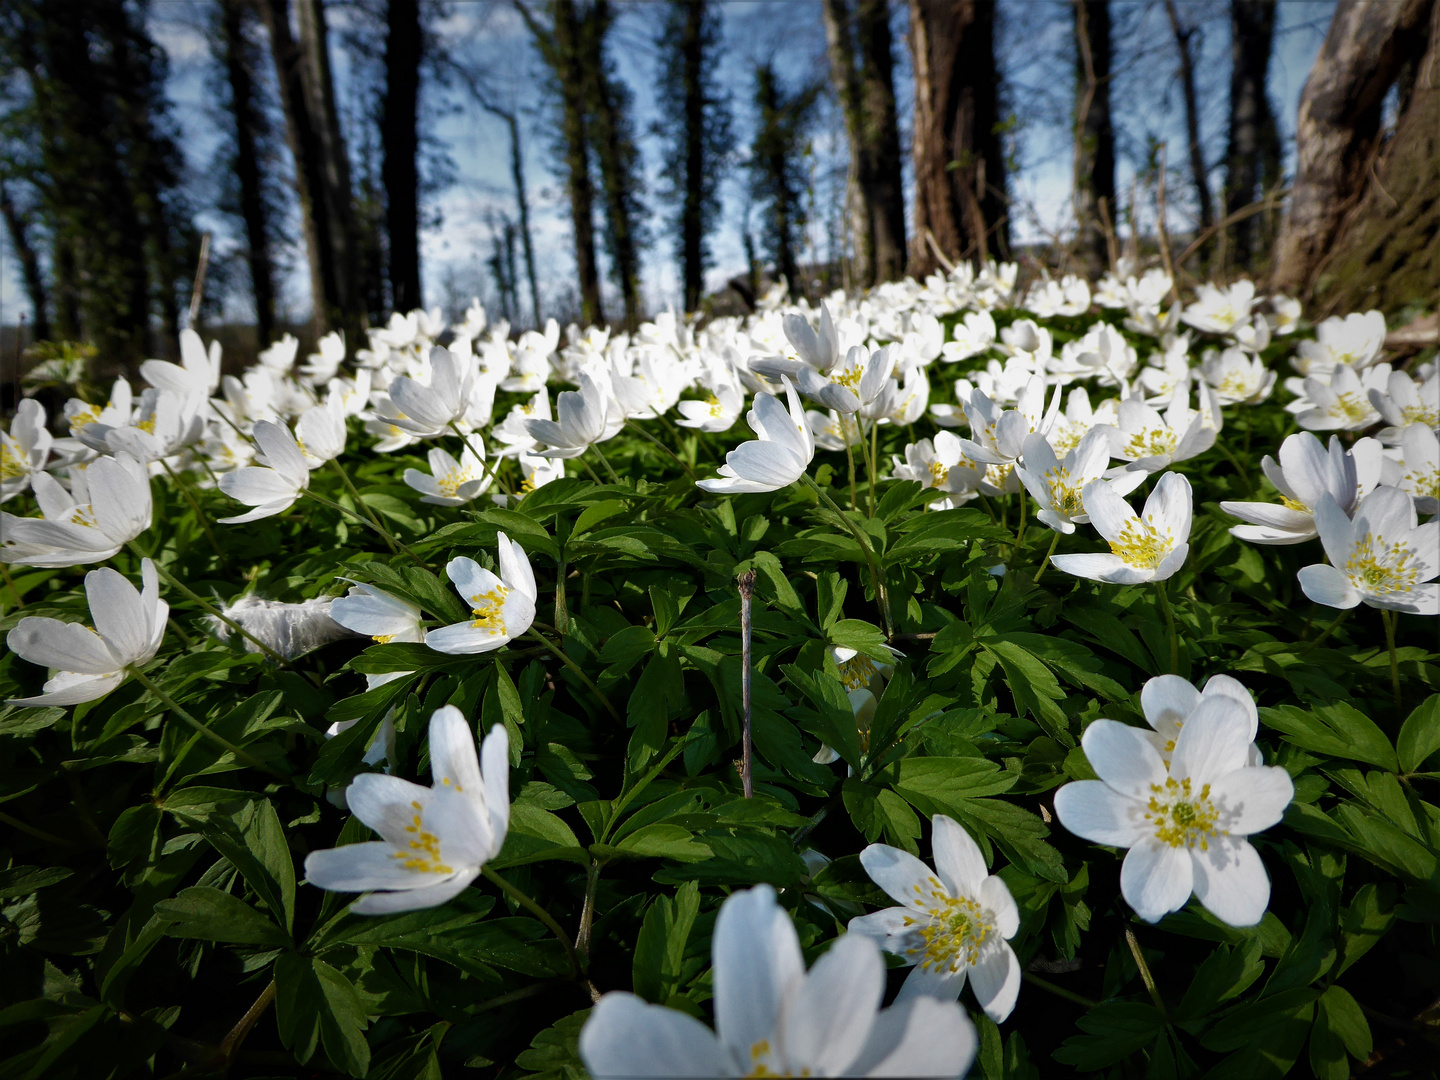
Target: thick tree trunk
[(772, 149), (1338, 129), (322, 179), (1198, 172), (400, 147), (692, 209), (959, 161), (248, 119), (29, 259), (1252, 156), (1094, 178), (1386, 250)]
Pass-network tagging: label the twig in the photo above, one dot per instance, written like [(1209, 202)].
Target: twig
[(939, 255), (746, 583), (1163, 233), (197, 293)]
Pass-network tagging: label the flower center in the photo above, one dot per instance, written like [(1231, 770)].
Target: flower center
[(87, 414), (763, 1063), (148, 426), (1155, 442), (1063, 494), (10, 464), (1378, 567), (938, 473), (1181, 817), (1419, 414), (1353, 407), (857, 672), (450, 483), (423, 854), (488, 608), (1142, 545), (849, 378), (383, 639), (957, 930), (1294, 504)]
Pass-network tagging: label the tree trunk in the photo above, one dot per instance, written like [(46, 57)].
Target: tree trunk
[(1094, 178), (400, 147), (245, 110), (1198, 172), (29, 259), (1253, 152), (692, 208), (322, 180), (1338, 131), (1386, 250), (959, 160), (517, 171)]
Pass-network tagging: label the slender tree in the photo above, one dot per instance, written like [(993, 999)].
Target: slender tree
[(400, 143), (1094, 166), (960, 200), (777, 176), (17, 223), (1252, 154), (696, 133), (862, 69), (1186, 45)]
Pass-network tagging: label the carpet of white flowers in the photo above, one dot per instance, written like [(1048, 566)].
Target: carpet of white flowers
[(960, 678)]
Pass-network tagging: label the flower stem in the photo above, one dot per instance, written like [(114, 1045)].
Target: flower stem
[(219, 740), (10, 584), (873, 464), (1169, 622), (673, 456), (1334, 625), (355, 494), (394, 542), (210, 609), (590, 683), (1059, 991), (493, 473), (1054, 543), (1145, 976), (849, 460), (1390, 618), (231, 1044), (185, 494), (614, 476), (746, 583), (521, 898), (882, 597)]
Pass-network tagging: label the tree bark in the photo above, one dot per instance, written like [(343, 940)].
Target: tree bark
[(1338, 129), (1198, 173), (322, 175), (1386, 250), (400, 148), (1094, 178), (254, 212), (1252, 155), (957, 119), (29, 259), (692, 209)]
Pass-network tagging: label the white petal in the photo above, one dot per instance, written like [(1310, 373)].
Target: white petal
[(1252, 798), (255, 485), (1231, 882), (428, 896), (1214, 741), (281, 453), (1156, 879), (995, 898), (466, 841), (1109, 513), (943, 984), (1169, 506), (360, 867), (72, 688), (387, 804), (51, 643), (626, 1039), (119, 617), (1099, 567), (757, 966), (828, 1021), (957, 857), (120, 497), (996, 982), (463, 639), (920, 1038), (1123, 758), (1095, 812), (264, 510), (902, 875), (495, 770), (1328, 585), (1167, 700), (515, 569), (453, 760)]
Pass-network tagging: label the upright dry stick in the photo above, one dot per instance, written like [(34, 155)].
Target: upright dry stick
[(746, 583)]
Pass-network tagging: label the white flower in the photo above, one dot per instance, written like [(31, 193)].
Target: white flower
[(1305, 474), (1219, 310), (381, 750), (582, 420), (289, 629), (504, 606), (1149, 547), (115, 412), (1150, 441), (1058, 485), (320, 434), (772, 1018), (322, 366), (107, 507), (196, 376), (382, 618), (832, 430), (24, 449), (450, 482), (1167, 701), (999, 435), (1353, 342), (777, 458), (270, 490), (1343, 403), (953, 922), (854, 381), (1237, 378), (163, 423), (88, 664), (280, 356), (973, 335), (430, 410), (905, 402), (863, 706), (1284, 314), (1078, 418), (1185, 824), (1416, 468), (1025, 340), (718, 411), (1105, 353), (434, 839), (1068, 296), (1404, 401), (538, 471), (1381, 558), (941, 465), (819, 351)]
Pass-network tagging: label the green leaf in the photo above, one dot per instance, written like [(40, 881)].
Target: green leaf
[(1115, 1030), (1336, 730), (315, 1005), (24, 880), (660, 948), (1265, 1019), (664, 841), (212, 915), (658, 692), (1419, 735), (861, 636), (936, 785), (1343, 1016), (1226, 973)]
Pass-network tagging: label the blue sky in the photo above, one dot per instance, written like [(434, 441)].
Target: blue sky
[(489, 37)]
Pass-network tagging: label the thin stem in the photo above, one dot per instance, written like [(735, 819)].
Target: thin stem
[(614, 476), (882, 597), (1334, 625), (480, 456), (219, 740), (1145, 976), (210, 609), (1169, 622), (587, 914), (230, 1045), (872, 466), (10, 584), (39, 834), (520, 897), (593, 474), (746, 582), (533, 990), (589, 683), (1239, 469), (394, 542), (355, 494), (1054, 543), (1390, 618), (849, 460), (1059, 991), (185, 494), (1020, 534), (673, 456)]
